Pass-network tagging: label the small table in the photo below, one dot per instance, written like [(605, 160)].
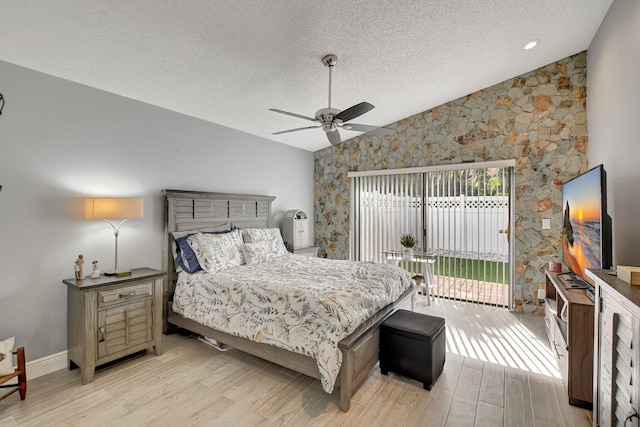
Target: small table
[(425, 260)]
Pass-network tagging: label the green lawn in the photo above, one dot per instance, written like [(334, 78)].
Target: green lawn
[(488, 271)]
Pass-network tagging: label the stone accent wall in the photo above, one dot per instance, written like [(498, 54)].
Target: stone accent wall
[(538, 119)]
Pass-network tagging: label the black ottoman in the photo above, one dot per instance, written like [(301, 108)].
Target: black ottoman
[(413, 345)]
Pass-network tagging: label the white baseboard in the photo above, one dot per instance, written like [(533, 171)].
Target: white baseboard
[(46, 365)]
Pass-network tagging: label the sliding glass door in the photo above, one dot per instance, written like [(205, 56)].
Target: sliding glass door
[(461, 216)]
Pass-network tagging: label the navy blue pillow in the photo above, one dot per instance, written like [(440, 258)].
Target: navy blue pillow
[(192, 261)]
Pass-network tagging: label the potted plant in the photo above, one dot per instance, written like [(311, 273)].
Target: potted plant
[(408, 242)]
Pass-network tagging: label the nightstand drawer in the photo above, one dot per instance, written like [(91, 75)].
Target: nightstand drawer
[(125, 294)]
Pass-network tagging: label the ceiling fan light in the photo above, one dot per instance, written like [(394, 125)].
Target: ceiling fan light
[(329, 126)]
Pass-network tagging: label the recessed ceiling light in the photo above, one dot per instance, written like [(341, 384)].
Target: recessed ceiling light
[(531, 44)]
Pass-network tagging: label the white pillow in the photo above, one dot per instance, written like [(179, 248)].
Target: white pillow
[(182, 253), (270, 235), (6, 358), (216, 252), (255, 253)]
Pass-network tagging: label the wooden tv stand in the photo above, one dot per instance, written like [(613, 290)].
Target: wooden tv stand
[(571, 339)]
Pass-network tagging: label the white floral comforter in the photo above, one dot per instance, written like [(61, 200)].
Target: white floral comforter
[(302, 304)]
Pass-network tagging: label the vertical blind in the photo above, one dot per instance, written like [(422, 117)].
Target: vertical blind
[(459, 215), (388, 206)]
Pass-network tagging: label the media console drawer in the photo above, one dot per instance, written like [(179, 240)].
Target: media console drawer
[(548, 322), (561, 352)]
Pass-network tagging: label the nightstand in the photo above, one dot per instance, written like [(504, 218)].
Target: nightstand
[(112, 317), (311, 251)]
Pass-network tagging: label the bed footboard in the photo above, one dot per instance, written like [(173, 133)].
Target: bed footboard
[(360, 351), (357, 362)]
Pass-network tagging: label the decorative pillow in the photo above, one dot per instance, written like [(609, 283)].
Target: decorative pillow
[(6, 359), (184, 257), (270, 235), (216, 252), (255, 253), (255, 235)]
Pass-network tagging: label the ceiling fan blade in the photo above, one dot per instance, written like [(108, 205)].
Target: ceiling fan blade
[(353, 112), (296, 129), (292, 114), (368, 129), (334, 137)]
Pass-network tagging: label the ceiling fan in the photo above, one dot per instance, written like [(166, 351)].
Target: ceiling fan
[(330, 119)]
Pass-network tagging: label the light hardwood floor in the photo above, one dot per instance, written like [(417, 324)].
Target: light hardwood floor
[(499, 371)]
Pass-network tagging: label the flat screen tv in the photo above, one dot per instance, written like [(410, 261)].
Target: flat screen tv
[(586, 227)]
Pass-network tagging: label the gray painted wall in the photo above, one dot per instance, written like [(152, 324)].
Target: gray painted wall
[(613, 111), (61, 141)]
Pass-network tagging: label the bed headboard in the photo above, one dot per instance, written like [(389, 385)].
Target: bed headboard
[(191, 210)]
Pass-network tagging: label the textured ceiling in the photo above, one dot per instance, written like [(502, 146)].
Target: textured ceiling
[(227, 62)]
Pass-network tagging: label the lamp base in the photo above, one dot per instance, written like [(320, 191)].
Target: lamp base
[(119, 273)]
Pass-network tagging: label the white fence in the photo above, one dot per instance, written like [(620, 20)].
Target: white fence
[(472, 227), (468, 227)]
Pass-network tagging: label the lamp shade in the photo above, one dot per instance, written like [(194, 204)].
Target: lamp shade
[(113, 208)]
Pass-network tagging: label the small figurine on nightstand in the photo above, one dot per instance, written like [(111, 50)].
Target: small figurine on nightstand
[(96, 269), (78, 268)]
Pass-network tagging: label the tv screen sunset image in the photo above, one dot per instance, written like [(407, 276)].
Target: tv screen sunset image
[(582, 222)]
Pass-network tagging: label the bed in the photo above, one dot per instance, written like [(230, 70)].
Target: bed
[(189, 211)]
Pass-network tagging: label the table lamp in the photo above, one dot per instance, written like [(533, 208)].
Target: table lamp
[(118, 209)]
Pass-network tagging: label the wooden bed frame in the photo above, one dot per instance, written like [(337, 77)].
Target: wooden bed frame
[(190, 210)]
